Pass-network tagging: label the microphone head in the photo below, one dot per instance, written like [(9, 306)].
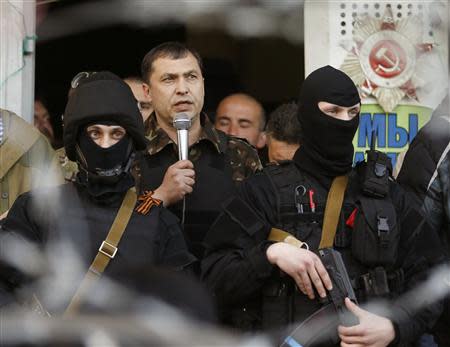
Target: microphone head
[(182, 121)]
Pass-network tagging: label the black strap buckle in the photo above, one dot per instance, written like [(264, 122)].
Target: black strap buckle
[(380, 170), (383, 230)]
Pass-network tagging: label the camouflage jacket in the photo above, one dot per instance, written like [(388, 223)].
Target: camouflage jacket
[(243, 157), (27, 161)]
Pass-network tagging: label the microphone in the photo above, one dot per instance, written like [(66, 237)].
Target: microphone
[(182, 123)]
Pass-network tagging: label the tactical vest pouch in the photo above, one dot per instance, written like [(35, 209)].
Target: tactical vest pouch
[(376, 175), (276, 308), (375, 234)]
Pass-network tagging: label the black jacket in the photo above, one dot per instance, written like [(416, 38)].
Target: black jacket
[(66, 217), (426, 174), (236, 266)]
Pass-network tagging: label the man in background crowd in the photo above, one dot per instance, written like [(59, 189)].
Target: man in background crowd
[(42, 120), (145, 105), (242, 116), (283, 133)]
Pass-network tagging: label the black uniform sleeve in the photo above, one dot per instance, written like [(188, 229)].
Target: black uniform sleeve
[(436, 204), (420, 250), (172, 251), (413, 177), (19, 226), (21, 219), (236, 265)]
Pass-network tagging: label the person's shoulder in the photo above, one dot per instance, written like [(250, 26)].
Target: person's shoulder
[(243, 158), (29, 139), (18, 123), (278, 166), (241, 144), (432, 138), (280, 170), (260, 181), (41, 199)]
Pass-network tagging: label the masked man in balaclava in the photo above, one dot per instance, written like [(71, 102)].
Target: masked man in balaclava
[(74, 223), (262, 279)]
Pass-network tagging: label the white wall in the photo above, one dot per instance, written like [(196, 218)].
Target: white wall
[(17, 21)]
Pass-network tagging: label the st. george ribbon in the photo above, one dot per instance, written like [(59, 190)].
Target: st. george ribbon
[(182, 123)]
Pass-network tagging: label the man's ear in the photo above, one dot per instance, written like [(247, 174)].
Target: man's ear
[(262, 139), (147, 92)]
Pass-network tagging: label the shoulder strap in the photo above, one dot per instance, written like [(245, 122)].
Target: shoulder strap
[(333, 210), (106, 252), (278, 235)]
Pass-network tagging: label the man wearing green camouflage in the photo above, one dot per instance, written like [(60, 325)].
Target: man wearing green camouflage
[(174, 83), (26, 160)]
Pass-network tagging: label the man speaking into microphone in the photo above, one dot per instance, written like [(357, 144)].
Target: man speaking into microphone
[(192, 188)]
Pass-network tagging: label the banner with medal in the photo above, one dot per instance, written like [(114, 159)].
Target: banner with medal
[(396, 52)]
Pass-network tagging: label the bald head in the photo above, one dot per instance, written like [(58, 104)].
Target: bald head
[(242, 116)]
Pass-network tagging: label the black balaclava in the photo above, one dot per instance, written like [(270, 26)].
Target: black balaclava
[(327, 149), (103, 99), (104, 171)]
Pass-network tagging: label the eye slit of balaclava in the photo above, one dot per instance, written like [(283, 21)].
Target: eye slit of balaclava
[(100, 160)]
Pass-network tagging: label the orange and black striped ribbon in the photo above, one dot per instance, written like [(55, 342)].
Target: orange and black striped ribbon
[(147, 202)]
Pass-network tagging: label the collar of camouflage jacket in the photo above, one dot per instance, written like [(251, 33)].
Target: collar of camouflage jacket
[(159, 139)]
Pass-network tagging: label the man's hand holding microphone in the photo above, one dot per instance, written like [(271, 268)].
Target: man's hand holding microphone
[(179, 178)]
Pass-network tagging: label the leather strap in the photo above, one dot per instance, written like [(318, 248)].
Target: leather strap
[(279, 235), (106, 252), (332, 211)]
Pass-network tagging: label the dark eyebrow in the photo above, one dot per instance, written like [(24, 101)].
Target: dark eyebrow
[(171, 75), (190, 72)]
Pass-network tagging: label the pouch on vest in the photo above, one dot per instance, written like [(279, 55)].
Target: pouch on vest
[(276, 305), (377, 171), (376, 235)]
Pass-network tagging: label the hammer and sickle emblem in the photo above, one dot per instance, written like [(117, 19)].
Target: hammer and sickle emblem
[(381, 54)]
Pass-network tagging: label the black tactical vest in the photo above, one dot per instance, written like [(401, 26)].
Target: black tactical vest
[(301, 204), (302, 216)]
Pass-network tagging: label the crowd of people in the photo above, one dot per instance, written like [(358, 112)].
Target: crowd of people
[(229, 237)]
